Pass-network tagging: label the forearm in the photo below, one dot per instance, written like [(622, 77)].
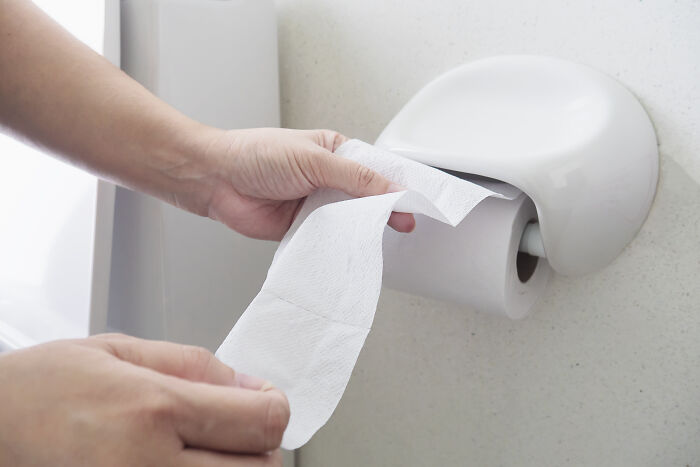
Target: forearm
[(58, 93)]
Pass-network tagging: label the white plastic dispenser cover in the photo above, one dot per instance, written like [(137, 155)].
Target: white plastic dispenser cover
[(573, 139)]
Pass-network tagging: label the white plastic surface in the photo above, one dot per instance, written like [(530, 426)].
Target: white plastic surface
[(531, 241), (575, 140), (175, 275)]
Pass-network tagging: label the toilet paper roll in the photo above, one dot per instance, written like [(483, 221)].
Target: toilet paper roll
[(476, 264)]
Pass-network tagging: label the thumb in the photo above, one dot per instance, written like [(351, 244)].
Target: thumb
[(351, 177), (357, 180)]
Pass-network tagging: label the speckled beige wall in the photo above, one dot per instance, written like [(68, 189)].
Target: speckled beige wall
[(606, 372)]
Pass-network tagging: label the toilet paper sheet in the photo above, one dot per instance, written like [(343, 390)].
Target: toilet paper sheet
[(306, 327)]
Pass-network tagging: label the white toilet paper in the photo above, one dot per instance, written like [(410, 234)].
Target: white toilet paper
[(476, 264), (306, 327)]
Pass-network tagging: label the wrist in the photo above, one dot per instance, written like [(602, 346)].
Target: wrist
[(191, 168)]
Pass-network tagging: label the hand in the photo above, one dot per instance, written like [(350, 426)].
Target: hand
[(254, 181), (266, 173), (115, 400)]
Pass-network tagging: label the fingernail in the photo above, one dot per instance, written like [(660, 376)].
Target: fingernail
[(394, 187), (250, 382), (266, 387)]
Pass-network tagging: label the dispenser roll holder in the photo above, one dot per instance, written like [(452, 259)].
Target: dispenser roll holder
[(573, 139)]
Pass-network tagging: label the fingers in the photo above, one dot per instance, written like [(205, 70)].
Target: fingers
[(348, 176), (199, 458), (327, 139), (326, 170), (329, 171), (229, 419), (184, 361), (358, 180), (402, 222), (202, 402)]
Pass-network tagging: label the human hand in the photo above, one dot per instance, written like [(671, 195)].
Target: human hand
[(254, 181), (265, 174), (114, 400)]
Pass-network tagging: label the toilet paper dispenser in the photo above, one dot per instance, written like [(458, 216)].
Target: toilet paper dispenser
[(573, 139)]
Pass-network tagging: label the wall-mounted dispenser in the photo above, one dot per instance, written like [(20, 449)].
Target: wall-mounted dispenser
[(574, 140)]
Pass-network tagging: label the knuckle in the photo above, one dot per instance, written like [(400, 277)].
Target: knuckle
[(157, 407), (114, 344), (274, 459), (338, 139), (111, 336), (276, 419), (162, 405), (324, 138), (196, 360), (364, 176), (332, 139), (328, 139)]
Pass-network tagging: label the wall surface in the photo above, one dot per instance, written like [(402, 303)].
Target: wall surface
[(606, 372)]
